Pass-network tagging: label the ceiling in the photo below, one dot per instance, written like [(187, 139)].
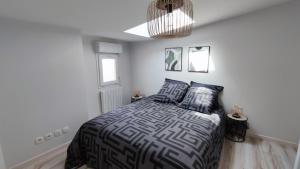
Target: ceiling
[(109, 18)]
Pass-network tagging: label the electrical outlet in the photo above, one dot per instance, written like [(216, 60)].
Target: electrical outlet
[(66, 129), (39, 140), (49, 136), (57, 132)]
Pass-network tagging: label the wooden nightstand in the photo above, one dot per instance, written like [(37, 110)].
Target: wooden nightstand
[(236, 128), (134, 99)]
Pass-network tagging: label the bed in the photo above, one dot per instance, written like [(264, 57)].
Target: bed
[(149, 135)]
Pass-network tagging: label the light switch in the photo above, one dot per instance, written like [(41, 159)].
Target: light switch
[(57, 133), (39, 140), (66, 129), (49, 136)]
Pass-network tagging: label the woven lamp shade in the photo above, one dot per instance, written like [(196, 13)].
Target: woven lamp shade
[(170, 18)]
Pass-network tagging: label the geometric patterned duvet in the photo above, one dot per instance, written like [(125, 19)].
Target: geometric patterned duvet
[(149, 135)]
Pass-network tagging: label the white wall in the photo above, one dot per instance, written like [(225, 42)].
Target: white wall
[(255, 57), (42, 86), (2, 163), (91, 73)]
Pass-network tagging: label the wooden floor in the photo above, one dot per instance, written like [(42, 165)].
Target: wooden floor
[(254, 153)]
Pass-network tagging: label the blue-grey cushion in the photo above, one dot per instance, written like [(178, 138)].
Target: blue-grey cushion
[(217, 89), (213, 87), (172, 91), (201, 97)]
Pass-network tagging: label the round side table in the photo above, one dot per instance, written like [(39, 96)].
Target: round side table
[(236, 128)]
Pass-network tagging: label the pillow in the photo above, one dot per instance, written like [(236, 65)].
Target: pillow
[(201, 97), (218, 89), (213, 87), (172, 91)]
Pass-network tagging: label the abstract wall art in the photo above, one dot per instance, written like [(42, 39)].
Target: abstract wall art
[(173, 59), (199, 59)]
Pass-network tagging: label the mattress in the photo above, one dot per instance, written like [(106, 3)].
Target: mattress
[(149, 135)]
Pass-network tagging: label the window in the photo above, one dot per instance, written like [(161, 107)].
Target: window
[(108, 69)]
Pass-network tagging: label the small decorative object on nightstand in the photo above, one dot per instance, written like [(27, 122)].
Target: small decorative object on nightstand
[(237, 125), (136, 97)]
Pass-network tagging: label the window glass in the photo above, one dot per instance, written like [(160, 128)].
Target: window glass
[(109, 70)]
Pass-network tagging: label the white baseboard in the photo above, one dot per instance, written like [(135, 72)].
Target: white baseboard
[(281, 141), (52, 153)]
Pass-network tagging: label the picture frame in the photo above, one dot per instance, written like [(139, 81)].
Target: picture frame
[(198, 59), (173, 59)]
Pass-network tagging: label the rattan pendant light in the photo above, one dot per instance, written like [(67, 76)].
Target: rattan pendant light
[(170, 18)]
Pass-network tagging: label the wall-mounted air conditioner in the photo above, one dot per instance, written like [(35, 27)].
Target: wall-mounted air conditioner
[(104, 47)]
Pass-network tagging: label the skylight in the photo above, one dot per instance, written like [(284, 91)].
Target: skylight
[(142, 29)]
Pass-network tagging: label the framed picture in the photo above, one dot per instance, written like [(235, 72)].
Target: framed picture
[(173, 59), (199, 59)]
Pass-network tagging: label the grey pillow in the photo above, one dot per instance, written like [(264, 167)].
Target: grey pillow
[(172, 91), (201, 98), (217, 89)]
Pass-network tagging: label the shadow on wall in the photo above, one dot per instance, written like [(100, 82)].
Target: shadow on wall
[(211, 66), (2, 164)]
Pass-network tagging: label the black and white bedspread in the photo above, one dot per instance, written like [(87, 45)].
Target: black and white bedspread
[(149, 135)]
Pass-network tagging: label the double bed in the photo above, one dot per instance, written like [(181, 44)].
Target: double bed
[(149, 135)]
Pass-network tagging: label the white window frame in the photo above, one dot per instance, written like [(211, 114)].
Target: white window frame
[(101, 56)]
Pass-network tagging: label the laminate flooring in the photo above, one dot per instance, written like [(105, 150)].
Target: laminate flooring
[(254, 153)]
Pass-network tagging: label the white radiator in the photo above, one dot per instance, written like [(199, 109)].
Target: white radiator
[(111, 98)]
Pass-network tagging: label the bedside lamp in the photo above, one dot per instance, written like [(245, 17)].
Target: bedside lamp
[(136, 93)]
